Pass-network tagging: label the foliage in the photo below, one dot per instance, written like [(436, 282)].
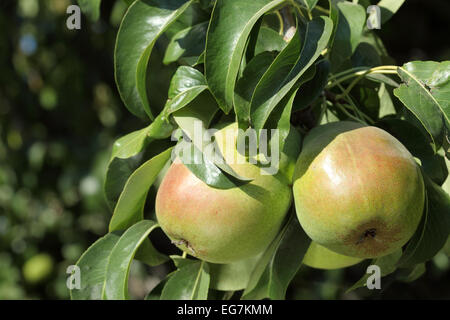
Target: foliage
[(60, 116), (332, 53)]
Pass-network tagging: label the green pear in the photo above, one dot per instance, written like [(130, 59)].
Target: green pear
[(319, 257), (357, 190), (224, 225)]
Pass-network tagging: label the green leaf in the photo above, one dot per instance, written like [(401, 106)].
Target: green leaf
[(187, 45), (280, 118), (117, 174), (229, 29), (190, 282), (91, 8), (386, 105), (141, 26), (155, 293), (187, 83), (217, 175), (148, 254), (279, 263), (434, 229), (387, 265), (92, 266), (426, 92), (119, 261), (319, 257), (269, 40), (366, 55), (411, 274), (435, 76), (446, 184), (309, 4), (233, 276), (246, 85), (388, 8), (371, 38), (130, 144), (351, 21), (311, 90), (130, 207), (287, 68), (131, 152), (193, 15)]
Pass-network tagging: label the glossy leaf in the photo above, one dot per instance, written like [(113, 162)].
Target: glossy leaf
[(387, 265), (279, 263), (269, 40), (133, 143), (190, 282), (311, 90), (92, 266), (425, 92), (130, 144), (141, 26), (320, 257), (246, 85), (386, 105), (446, 184), (388, 8), (130, 207), (148, 254), (117, 174), (155, 293), (287, 68), (187, 45), (309, 4), (119, 261), (351, 21), (120, 169), (187, 83), (233, 276), (229, 29), (365, 55), (218, 175), (434, 229), (280, 118)]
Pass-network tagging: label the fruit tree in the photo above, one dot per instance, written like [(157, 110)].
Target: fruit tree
[(289, 137)]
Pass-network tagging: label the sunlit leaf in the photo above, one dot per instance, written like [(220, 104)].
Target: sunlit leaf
[(387, 265), (190, 282), (141, 26), (229, 29), (287, 69), (120, 258), (130, 207), (279, 263)]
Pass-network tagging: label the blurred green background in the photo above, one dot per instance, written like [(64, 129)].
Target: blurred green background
[(59, 115)]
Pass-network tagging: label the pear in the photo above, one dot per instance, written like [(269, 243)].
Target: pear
[(357, 190), (226, 225)]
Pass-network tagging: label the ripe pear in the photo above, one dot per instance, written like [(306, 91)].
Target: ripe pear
[(357, 190), (224, 225)]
